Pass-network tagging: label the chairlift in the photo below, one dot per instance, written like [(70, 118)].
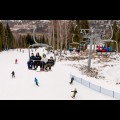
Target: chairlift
[(40, 45), (108, 50)]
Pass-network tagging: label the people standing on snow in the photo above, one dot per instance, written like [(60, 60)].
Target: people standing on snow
[(13, 74), (74, 93), (36, 81), (72, 79)]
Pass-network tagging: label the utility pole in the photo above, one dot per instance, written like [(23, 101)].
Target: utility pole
[(92, 36)]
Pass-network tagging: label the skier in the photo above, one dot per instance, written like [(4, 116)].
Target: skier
[(13, 74), (36, 81), (16, 60), (74, 93), (72, 79)]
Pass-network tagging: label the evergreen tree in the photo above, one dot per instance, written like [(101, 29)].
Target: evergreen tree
[(2, 36), (84, 24), (9, 37), (115, 31), (43, 39), (0, 43), (29, 39)]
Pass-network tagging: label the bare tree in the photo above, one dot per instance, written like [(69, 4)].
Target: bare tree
[(58, 35), (50, 33), (53, 34), (61, 36)]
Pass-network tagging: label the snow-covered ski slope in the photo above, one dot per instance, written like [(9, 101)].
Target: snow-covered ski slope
[(53, 85)]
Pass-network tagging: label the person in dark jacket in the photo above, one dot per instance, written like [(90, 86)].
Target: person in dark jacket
[(38, 61), (32, 57), (13, 74), (49, 63), (72, 79), (30, 62), (74, 93)]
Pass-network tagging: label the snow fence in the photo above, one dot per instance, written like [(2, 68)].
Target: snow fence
[(97, 88)]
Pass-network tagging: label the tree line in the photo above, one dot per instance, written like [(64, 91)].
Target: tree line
[(10, 40), (6, 37), (60, 33), (63, 32), (116, 35)]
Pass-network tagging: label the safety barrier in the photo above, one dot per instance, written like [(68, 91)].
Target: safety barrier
[(97, 88)]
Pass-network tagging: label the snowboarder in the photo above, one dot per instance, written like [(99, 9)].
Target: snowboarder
[(72, 79), (36, 81), (13, 74), (74, 93)]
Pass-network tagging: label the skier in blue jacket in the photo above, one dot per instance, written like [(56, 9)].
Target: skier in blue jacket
[(36, 81)]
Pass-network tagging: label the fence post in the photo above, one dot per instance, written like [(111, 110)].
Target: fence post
[(80, 80), (70, 75), (113, 94), (75, 78), (100, 89), (89, 84)]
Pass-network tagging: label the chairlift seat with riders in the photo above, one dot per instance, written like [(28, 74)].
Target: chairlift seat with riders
[(46, 47)]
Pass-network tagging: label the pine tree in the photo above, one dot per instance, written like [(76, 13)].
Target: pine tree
[(115, 31), (9, 37), (2, 36), (84, 24), (29, 39), (0, 43), (43, 39)]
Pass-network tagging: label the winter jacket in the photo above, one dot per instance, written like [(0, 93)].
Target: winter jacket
[(38, 58), (36, 81), (32, 58), (45, 60)]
